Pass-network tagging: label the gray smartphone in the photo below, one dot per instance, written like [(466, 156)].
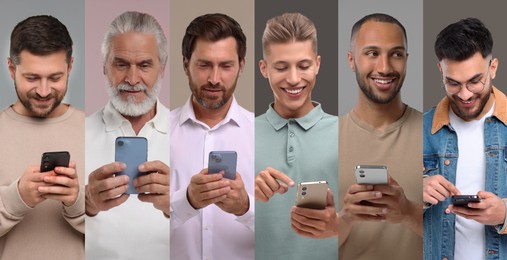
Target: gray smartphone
[(371, 174), (132, 151), (312, 194), (50, 160), (223, 161), (463, 200)]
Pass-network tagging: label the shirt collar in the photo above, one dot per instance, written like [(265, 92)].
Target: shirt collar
[(233, 115), (441, 117), (306, 122), (113, 119)]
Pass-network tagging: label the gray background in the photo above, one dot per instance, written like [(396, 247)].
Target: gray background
[(71, 14), (180, 15), (409, 13), (439, 14), (323, 13)]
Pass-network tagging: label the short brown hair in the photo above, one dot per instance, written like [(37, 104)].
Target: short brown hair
[(289, 27)]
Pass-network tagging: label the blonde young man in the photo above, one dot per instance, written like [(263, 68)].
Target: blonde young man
[(296, 141)]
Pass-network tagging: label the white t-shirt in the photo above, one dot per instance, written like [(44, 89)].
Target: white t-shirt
[(470, 179), (134, 229)]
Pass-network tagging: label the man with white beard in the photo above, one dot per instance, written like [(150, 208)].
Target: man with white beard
[(134, 226)]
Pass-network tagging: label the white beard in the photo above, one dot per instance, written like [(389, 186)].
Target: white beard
[(129, 107)]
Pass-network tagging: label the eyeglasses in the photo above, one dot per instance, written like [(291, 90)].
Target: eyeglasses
[(475, 86)]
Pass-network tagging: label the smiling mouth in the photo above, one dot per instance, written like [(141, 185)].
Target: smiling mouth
[(384, 81), (293, 91)]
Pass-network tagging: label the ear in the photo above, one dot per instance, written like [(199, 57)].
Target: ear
[(317, 65), (242, 65), (185, 65), (12, 68), (262, 67), (69, 68), (440, 68), (494, 67), (350, 59)]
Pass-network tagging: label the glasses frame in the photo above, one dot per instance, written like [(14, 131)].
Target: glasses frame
[(468, 82)]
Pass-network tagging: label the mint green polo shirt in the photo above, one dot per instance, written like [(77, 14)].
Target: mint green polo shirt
[(305, 149)]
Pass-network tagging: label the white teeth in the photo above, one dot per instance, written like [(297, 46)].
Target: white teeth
[(467, 102), (383, 81), (294, 91)]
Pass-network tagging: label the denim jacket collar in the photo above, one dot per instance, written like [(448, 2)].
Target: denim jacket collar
[(441, 117)]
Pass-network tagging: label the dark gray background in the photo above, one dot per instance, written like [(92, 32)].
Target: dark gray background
[(71, 14), (439, 14), (324, 15), (409, 13)]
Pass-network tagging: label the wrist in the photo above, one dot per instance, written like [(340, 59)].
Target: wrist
[(90, 208)]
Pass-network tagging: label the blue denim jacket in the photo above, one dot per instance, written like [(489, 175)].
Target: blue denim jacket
[(441, 156)]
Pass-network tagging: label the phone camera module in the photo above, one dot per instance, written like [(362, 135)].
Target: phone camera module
[(120, 143), (216, 157), (303, 193), (304, 188), (361, 174)]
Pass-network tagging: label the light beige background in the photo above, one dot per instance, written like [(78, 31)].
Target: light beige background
[(99, 14), (180, 15)]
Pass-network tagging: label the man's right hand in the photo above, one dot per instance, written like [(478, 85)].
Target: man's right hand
[(105, 191), (205, 189), (436, 188), (270, 181), (356, 207), (29, 183)]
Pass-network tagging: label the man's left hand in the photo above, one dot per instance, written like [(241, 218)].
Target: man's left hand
[(237, 201), (316, 223), (490, 211), (65, 185), (154, 187)]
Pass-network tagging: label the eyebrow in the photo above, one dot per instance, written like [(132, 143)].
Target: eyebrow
[(29, 74), (373, 47), (476, 76), (118, 59)]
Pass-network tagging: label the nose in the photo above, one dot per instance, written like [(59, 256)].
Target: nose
[(384, 65), (464, 93), (293, 78), (132, 77), (43, 89), (214, 76)]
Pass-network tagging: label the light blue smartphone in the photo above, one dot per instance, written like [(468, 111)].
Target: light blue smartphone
[(132, 151), (223, 161)]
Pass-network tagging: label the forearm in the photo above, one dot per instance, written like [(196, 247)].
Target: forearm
[(75, 214), (344, 229), (12, 207), (414, 218)]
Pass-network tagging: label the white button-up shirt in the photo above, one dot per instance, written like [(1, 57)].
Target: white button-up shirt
[(134, 229), (210, 233)]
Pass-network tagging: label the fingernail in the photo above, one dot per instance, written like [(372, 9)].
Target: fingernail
[(46, 178), (291, 184), (142, 168), (384, 211), (378, 194), (447, 211)]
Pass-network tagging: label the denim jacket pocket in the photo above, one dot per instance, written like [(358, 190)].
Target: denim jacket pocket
[(430, 166)]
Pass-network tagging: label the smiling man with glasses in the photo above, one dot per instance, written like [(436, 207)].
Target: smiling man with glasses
[(465, 140)]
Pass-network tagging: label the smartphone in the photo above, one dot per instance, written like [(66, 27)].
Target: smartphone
[(52, 159), (132, 151), (312, 195), (223, 161), (463, 200), (371, 174)]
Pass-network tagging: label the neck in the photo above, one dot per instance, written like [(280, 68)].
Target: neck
[(379, 116), (138, 122), (210, 117)]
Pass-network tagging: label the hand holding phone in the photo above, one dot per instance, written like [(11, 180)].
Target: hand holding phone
[(132, 151), (223, 161), (312, 194), (371, 174)]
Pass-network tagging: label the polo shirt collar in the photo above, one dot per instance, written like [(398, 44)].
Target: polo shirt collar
[(114, 120), (306, 122)]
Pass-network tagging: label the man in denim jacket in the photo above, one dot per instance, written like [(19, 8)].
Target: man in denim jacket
[(465, 150)]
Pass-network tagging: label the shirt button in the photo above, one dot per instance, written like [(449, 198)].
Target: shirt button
[(445, 258), (291, 134), (447, 162), (424, 168), (491, 154), (492, 252), (291, 149)]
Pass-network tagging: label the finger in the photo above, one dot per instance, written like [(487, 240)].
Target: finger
[(61, 180), (354, 188), (210, 195), (111, 183), (69, 172), (466, 212), (305, 225), (485, 195), (302, 232), (108, 204), (203, 178), (152, 178), (367, 210), (449, 186), (153, 189), (113, 193), (152, 198), (154, 166), (365, 195), (269, 182), (263, 190), (330, 199), (280, 176), (373, 218), (283, 188), (259, 195), (107, 171), (430, 199), (55, 189)]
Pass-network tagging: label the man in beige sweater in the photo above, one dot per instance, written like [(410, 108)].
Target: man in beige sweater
[(41, 213)]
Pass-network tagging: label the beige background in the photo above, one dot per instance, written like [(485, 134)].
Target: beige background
[(180, 15), (99, 14)]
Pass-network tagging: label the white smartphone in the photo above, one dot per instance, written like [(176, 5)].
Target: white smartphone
[(312, 194), (371, 174)]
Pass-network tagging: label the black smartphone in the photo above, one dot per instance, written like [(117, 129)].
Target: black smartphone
[(223, 161), (50, 160), (131, 151), (463, 200)]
